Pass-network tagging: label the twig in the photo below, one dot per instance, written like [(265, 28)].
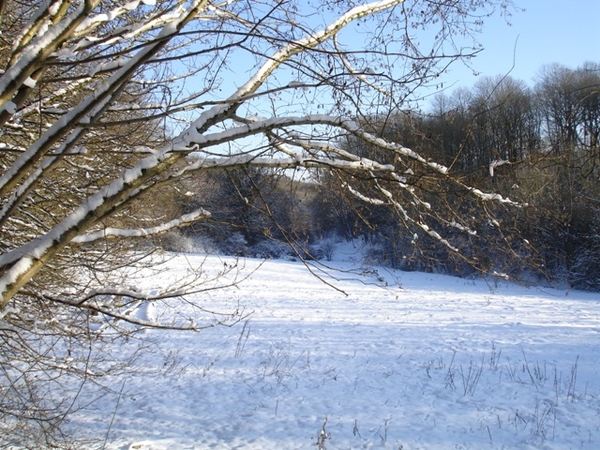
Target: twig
[(112, 419)]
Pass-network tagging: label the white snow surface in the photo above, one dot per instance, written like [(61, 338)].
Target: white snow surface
[(404, 360)]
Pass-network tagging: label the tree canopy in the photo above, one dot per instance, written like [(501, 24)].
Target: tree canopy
[(106, 105)]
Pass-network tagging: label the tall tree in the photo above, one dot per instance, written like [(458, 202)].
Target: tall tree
[(106, 104), (569, 102)]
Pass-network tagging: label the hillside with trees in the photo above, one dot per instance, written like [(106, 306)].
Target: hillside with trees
[(536, 145)]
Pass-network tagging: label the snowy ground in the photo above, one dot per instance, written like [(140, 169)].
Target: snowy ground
[(404, 360)]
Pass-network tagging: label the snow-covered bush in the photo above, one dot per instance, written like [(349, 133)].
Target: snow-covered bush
[(328, 245), (176, 241), (235, 245)]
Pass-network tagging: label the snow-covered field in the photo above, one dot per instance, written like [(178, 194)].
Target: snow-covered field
[(401, 360)]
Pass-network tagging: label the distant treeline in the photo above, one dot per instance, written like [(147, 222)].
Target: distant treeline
[(538, 146)]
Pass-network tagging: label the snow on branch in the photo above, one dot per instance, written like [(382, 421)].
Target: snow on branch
[(198, 140), (194, 139), (311, 41), (279, 57), (110, 232), (94, 21), (42, 46), (497, 163), (24, 262), (129, 32), (364, 198), (93, 104), (488, 196)]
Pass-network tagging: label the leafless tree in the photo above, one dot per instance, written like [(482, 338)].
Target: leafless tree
[(105, 105), (569, 103)]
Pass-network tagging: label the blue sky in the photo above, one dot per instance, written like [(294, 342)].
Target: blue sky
[(539, 32), (566, 32)]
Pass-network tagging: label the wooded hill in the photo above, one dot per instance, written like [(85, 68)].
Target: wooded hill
[(537, 145)]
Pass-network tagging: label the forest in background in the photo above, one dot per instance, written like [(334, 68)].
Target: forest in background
[(536, 145)]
